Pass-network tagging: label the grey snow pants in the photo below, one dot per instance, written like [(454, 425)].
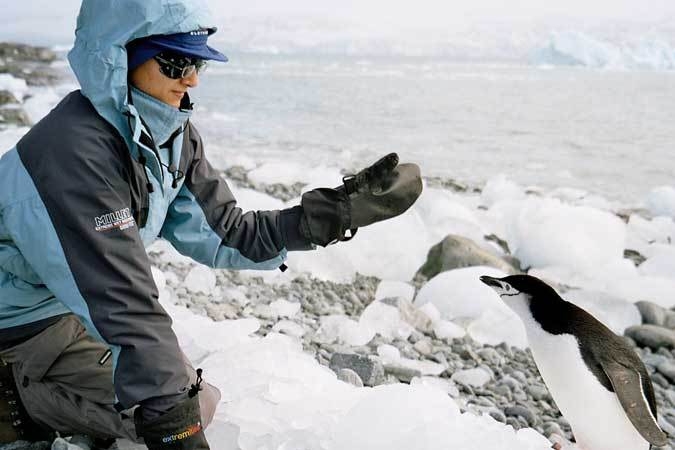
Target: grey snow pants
[(65, 388)]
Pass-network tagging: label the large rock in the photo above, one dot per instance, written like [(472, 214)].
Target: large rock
[(652, 336), (652, 313), (369, 369), (455, 252)]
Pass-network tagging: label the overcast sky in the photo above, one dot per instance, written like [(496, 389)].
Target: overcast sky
[(49, 20)]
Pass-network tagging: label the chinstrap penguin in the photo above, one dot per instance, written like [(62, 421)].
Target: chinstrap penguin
[(596, 379)]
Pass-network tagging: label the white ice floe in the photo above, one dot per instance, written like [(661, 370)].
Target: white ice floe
[(16, 86), (472, 377), (545, 232), (661, 201), (200, 279), (284, 308), (340, 328), (575, 48), (461, 297)]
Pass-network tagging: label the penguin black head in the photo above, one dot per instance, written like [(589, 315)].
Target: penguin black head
[(524, 294)]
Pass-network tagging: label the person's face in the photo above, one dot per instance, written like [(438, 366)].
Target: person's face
[(148, 78)]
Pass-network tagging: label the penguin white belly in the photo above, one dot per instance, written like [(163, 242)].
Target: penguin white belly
[(597, 419)]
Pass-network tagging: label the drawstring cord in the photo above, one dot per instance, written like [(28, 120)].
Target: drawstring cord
[(195, 388), (176, 174)]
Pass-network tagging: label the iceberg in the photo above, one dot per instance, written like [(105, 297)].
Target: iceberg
[(575, 48)]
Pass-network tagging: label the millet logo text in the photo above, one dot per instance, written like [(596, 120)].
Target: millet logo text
[(121, 220)]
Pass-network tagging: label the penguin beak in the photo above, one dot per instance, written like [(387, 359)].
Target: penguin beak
[(492, 282)]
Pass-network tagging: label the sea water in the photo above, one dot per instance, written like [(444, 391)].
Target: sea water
[(606, 132)]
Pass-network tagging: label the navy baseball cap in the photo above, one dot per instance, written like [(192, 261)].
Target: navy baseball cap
[(192, 44)]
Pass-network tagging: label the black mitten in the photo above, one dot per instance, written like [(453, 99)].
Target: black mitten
[(379, 192), (180, 428)]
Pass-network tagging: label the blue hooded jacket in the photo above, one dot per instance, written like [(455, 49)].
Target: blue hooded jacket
[(86, 190)]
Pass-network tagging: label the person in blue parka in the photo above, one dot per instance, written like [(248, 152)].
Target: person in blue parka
[(111, 168)]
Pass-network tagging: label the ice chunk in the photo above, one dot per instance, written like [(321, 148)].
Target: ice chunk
[(661, 262), (472, 377), (444, 329), (342, 328), (500, 189), (200, 279), (545, 232), (284, 308), (459, 293), (661, 201), (385, 320), (642, 233), (16, 86), (290, 328), (495, 326)]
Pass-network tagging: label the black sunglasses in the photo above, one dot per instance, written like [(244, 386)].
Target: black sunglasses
[(175, 66)]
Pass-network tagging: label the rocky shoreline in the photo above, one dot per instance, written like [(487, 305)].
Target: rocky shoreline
[(500, 380), (33, 66)]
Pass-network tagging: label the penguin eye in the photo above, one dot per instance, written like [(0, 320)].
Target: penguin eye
[(507, 288)]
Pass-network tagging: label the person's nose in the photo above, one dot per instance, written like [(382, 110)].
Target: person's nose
[(191, 80)]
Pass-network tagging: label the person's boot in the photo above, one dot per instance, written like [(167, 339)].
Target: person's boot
[(178, 429)]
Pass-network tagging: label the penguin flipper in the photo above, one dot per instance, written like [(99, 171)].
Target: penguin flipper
[(627, 384)]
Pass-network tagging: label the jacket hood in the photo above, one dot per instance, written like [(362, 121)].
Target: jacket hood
[(99, 56)]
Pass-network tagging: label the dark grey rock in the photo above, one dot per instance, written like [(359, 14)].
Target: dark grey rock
[(521, 411), (455, 252), (498, 415), (369, 369), (634, 256), (652, 336), (651, 313)]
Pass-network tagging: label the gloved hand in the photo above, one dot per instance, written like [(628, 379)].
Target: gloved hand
[(379, 192), (180, 428)]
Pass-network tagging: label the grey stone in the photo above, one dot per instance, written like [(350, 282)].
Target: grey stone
[(652, 336), (538, 392), (404, 374), (455, 252), (659, 380), (497, 415), (651, 313), (369, 369), (667, 369), (349, 376)]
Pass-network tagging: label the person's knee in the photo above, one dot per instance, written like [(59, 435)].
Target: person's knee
[(209, 397)]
